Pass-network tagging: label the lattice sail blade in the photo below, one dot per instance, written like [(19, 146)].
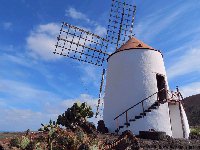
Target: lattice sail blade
[(82, 45), (121, 20)]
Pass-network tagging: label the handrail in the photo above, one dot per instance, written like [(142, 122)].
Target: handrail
[(138, 103), (177, 94)]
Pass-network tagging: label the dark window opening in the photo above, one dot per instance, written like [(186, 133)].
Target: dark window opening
[(161, 85)]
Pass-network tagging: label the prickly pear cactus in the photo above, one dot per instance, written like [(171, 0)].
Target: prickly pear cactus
[(24, 142)]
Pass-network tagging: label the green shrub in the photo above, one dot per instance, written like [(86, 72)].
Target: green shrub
[(195, 130)]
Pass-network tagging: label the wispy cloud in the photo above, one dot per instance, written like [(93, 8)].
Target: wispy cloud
[(90, 100), (151, 26), (17, 59), (28, 119), (188, 62), (41, 41), (62, 106), (191, 89), (13, 119), (77, 15), (73, 13), (7, 25), (90, 74), (24, 93), (99, 30)]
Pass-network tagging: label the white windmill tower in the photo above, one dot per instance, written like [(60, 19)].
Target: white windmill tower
[(137, 96), (136, 93)]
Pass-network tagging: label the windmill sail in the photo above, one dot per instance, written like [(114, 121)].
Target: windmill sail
[(82, 45), (121, 21)]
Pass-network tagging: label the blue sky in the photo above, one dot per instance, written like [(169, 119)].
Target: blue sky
[(36, 85)]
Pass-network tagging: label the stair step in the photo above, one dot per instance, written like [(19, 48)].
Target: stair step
[(138, 117), (131, 120), (127, 124), (147, 110), (156, 104), (121, 127), (153, 107), (143, 114)]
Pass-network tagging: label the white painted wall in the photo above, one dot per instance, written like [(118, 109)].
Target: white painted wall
[(131, 77), (185, 122), (177, 130)]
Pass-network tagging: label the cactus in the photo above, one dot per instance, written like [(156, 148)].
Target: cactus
[(52, 132), (38, 147), (94, 144), (80, 135), (94, 147), (21, 143), (15, 142), (24, 142), (75, 115)]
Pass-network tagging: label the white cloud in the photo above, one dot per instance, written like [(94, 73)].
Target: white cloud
[(61, 106), (50, 29), (28, 119), (7, 25), (8, 48), (75, 14), (188, 62), (190, 89), (91, 74), (18, 59), (99, 30), (23, 92), (13, 119), (20, 95), (41, 41), (83, 98)]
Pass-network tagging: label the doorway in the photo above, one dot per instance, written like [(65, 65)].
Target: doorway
[(161, 85)]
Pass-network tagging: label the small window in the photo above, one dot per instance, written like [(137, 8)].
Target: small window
[(161, 85)]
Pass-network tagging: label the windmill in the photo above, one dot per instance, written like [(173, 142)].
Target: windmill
[(137, 90)]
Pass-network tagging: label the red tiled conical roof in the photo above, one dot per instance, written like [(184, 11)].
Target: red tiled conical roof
[(134, 43)]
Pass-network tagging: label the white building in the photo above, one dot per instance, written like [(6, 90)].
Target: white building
[(135, 72)]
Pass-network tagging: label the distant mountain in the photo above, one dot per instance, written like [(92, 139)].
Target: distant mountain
[(192, 108)]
